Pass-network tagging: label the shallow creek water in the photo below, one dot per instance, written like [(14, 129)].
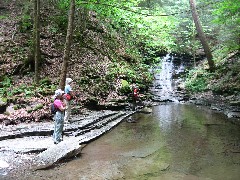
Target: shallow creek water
[(175, 141)]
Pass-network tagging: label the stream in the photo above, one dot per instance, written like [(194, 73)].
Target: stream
[(175, 141)]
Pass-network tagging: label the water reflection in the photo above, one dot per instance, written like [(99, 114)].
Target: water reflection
[(199, 139), (190, 141), (166, 116)]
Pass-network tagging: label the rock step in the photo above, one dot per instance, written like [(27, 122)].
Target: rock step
[(85, 123), (93, 134), (37, 144), (46, 129), (98, 124), (72, 146), (55, 153)]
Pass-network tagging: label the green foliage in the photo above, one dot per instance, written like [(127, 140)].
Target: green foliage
[(227, 11), (226, 17), (5, 84), (125, 87), (59, 20), (45, 87), (125, 83), (227, 78), (197, 80), (7, 90), (16, 107), (53, 29), (39, 106), (60, 23), (45, 81), (148, 33), (131, 73), (3, 17), (63, 4), (25, 23)]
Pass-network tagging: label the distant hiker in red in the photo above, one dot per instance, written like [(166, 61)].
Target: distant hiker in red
[(135, 96)]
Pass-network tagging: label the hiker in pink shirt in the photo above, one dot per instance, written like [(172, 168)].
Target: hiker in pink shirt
[(59, 116)]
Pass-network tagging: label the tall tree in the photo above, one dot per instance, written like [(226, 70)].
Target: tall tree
[(67, 44), (36, 37), (201, 34), (82, 14)]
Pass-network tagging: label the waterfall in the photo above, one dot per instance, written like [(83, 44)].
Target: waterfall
[(163, 84)]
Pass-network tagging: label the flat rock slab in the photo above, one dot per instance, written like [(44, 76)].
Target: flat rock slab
[(233, 115), (71, 147), (146, 110), (27, 144), (64, 149)]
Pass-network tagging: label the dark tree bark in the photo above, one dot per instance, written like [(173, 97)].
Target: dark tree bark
[(67, 44), (36, 37), (82, 22), (202, 36)]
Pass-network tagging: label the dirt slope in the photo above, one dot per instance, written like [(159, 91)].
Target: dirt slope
[(92, 56)]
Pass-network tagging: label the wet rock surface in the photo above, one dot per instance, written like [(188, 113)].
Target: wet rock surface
[(31, 146)]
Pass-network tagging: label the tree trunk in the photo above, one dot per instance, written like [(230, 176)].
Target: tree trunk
[(82, 20), (202, 36), (36, 37), (67, 44)]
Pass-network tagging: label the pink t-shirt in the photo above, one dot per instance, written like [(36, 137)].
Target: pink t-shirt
[(58, 103)]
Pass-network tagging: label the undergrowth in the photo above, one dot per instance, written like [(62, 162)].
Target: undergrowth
[(225, 80)]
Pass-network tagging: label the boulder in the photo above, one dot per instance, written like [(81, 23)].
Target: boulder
[(146, 110), (65, 149)]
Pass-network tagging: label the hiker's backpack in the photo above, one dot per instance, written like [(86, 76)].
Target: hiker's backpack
[(68, 97), (53, 109)]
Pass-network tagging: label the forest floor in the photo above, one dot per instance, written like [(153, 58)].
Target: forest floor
[(20, 101)]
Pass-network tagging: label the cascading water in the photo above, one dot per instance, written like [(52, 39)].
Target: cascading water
[(163, 85)]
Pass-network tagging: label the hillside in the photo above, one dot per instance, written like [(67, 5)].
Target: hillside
[(98, 56)]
